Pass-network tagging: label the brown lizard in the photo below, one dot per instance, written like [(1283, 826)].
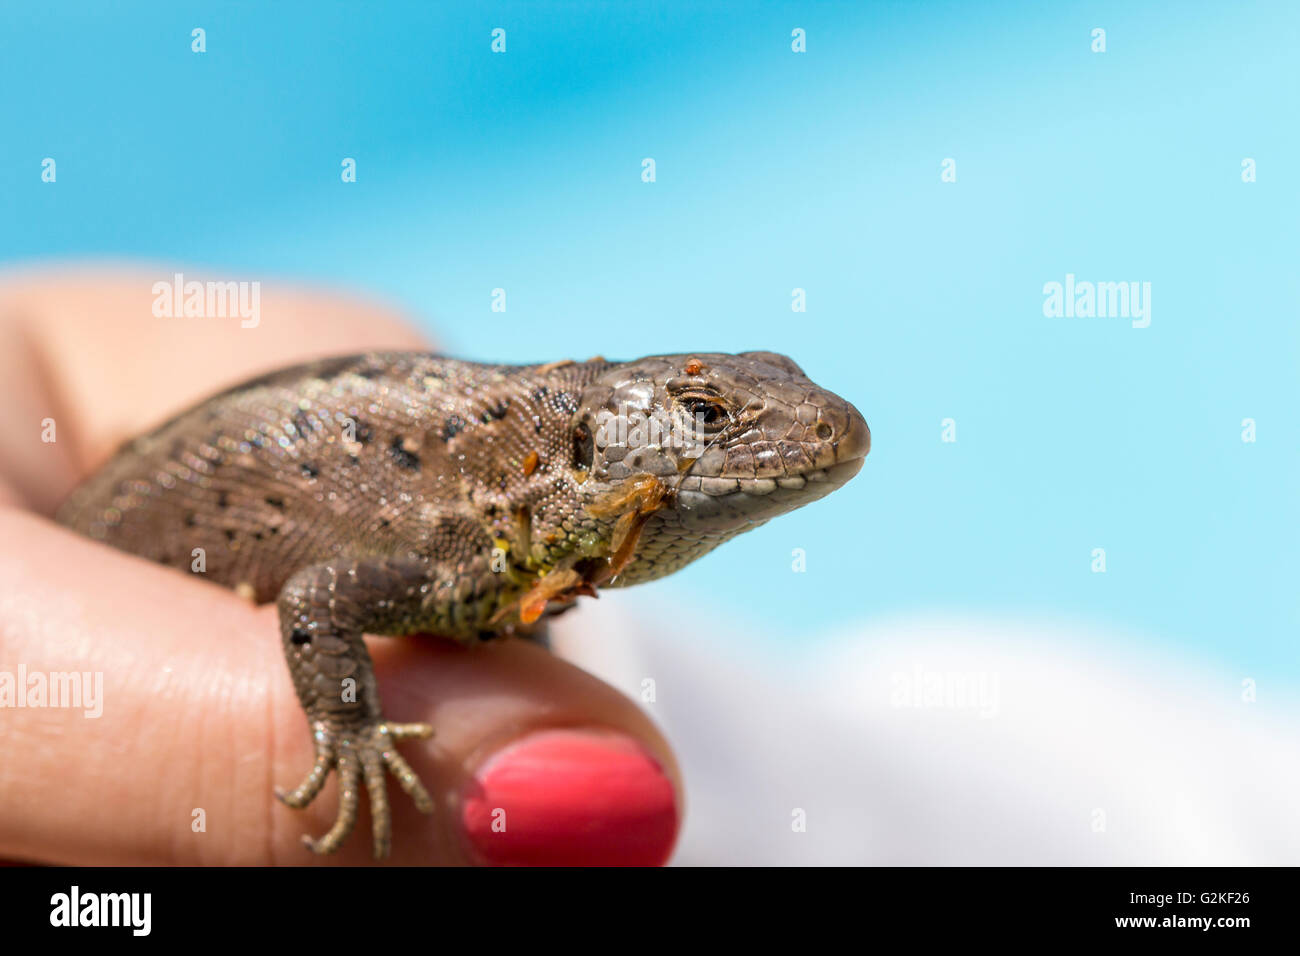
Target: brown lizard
[(403, 492)]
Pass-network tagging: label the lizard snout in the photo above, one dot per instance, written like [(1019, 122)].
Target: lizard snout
[(853, 441)]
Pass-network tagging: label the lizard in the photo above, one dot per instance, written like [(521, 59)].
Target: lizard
[(394, 493)]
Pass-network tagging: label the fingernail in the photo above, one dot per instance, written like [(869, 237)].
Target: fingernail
[(571, 798)]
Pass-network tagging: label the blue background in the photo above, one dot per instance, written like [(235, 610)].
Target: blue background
[(775, 171)]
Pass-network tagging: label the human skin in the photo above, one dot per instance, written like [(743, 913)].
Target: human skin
[(199, 711)]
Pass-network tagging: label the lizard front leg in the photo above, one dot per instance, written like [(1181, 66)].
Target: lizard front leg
[(324, 610)]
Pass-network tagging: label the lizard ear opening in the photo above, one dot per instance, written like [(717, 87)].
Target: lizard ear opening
[(584, 448)]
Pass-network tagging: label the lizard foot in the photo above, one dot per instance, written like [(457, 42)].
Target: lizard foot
[(361, 755)]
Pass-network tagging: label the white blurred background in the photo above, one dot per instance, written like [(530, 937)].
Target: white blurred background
[(1027, 743)]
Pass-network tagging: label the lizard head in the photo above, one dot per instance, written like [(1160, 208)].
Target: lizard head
[(708, 445)]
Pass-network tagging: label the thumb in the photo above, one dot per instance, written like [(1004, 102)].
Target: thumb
[(532, 761)]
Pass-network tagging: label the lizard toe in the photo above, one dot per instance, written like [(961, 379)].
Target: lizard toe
[(362, 758), (349, 768), (306, 792)]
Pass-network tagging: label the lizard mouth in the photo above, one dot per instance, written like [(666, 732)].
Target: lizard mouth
[(724, 502), (830, 478)]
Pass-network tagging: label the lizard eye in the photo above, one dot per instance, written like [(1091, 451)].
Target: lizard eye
[(584, 449), (708, 412)]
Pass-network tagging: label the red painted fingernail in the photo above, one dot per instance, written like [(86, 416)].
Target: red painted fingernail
[(572, 798)]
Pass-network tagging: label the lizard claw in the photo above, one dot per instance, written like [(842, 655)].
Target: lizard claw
[(360, 755)]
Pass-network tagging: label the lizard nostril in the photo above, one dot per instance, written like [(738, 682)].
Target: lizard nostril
[(824, 431)]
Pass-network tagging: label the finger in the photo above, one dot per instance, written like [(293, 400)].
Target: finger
[(199, 722)]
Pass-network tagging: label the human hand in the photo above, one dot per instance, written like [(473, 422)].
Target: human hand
[(198, 712)]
